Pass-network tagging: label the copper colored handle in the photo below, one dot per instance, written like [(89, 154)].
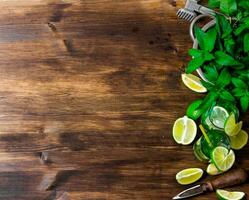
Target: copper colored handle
[(231, 178)]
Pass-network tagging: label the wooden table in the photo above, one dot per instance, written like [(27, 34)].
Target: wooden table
[(89, 90)]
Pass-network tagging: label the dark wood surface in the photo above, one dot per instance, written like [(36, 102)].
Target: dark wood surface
[(89, 90)]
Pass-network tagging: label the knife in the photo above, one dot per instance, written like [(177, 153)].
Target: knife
[(231, 178)]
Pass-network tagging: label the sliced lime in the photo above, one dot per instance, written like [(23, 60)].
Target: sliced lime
[(188, 176), (222, 158), (184, 130), (231, 127), (218, 116), (212, 170), (226, 195), (193, 83), (198, 152), (239, 141)]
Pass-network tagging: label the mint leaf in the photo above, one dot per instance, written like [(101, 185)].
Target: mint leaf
[(211, 73), (210, 38), (228, 6), (229, 44), (200, 35), (226, 60), (195, 53), (226, 96), (238, 92), (239, 83), (244, 102), (224, 78), (214, 3), (194, 64), (223, 26), (246, 42)]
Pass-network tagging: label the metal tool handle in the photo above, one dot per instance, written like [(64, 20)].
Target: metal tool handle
[(232, 178)]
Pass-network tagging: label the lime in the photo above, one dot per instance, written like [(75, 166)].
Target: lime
[(231, 127), (239, 141), (222, 158), (218, 116), (193, 83), (198, 151), (192, 111), (188, 176), (184, 130), (212, 170), (226, 195)]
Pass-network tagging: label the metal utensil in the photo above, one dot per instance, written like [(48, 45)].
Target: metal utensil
[(191, 7), (232, 178)]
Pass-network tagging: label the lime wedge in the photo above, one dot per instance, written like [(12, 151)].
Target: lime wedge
[(218, 116), (226, 195), (212, 170), (188, 176), (184, 130), (198, 152), (193, 83), (239, 141), (231, 127), (193, 110), (222, 158)]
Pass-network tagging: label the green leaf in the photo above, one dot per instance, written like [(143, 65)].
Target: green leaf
[(223, 26), (239, 83), (228, 6), (195, 53), (207, 85), (242, 27), (224, 78), (238, 92), (226, 60), (194, 64), (244, 102), (214, 3), (246, 42), (210, 38), (244, 4), (211, 73), (229, 44), (200, 35), (226, 96), (206, 40)]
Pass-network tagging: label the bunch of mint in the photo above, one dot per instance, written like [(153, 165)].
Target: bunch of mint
[(223, 54)]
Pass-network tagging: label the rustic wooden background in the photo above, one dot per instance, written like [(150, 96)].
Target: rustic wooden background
[(89, 90)]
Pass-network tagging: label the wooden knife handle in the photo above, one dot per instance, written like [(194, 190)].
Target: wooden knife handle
[(231, 178)]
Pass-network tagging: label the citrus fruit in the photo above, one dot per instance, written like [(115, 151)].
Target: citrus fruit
[(193, 83), (239, 141), (231, 127), (188, 176), (184, 130), (222, 158), (218, 116), (212, 170), (226, 195)]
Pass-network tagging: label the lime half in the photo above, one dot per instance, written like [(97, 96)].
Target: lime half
[(193, 83), (218, 116), (239, 141), (222, 158), (226, 195), (231, 127), (212, 170), (184, 130), (188, 176)]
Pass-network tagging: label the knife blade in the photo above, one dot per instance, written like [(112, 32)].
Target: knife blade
[(196, 190), (231, 178)]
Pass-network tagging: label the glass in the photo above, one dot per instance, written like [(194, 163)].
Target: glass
[(203, 148), (216, 116)]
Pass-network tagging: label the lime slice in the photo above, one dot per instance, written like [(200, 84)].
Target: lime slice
[(239, 141), (193, 110), (188, 176), (184, 130), (193, 83), (218, 116), (198, 152), (231, 127), (225, 195), (222, 158), (212, 170)]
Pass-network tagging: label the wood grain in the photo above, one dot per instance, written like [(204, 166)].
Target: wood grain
[(89, 92)]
